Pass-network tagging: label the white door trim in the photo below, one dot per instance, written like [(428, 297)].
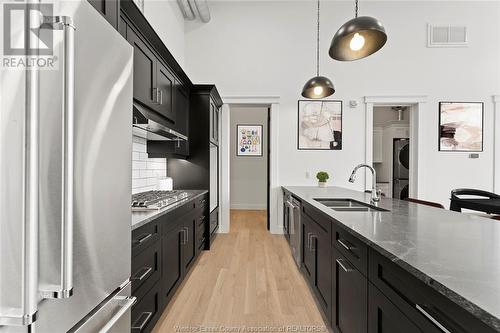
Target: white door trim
[(273, 102), (416, 131), (496, 159)]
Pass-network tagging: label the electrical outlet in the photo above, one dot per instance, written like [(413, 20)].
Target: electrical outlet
[(308, 174)]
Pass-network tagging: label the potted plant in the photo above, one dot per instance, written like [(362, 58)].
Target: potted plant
[(322, 178)]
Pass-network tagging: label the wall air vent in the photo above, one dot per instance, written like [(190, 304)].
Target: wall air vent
[(446, 36)]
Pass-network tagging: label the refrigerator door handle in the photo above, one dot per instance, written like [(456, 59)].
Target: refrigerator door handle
[(128, 302), (23, 311), (64, 287)]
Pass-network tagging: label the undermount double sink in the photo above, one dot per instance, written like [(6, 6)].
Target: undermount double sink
[(349, 205)]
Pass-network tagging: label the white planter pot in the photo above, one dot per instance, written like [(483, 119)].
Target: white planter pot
[(322, 184)]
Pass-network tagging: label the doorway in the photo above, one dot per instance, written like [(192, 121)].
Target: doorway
[(415, 105), (391, 150), (249, 149)]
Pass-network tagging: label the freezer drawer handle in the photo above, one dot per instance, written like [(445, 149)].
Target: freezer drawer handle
[(64, 287), (129, 301), (145, 316), (145, 271)]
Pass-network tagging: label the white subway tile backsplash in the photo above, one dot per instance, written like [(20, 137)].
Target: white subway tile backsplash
[(145, 171)]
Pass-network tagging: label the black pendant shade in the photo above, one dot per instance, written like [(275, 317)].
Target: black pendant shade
[(318, 87), (357, 39)]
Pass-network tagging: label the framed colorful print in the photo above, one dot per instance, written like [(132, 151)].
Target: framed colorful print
[(319, 125), (249, 140), (461, 126)]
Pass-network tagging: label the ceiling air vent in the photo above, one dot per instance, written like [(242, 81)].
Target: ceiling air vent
[(447, 36)]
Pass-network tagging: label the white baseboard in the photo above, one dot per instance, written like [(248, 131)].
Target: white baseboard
[(249, 206)]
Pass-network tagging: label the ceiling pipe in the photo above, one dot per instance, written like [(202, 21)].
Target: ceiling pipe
[(186, 9), (202, 9)]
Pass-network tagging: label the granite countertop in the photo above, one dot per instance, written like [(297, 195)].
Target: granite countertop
[(456, 254), (140, 218)]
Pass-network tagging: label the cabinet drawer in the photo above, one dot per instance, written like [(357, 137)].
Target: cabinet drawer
[(424, 306), (172, 219), (352, 248), (202, 218), (201, 202), (147, 311), (143, 237), (146, 267)]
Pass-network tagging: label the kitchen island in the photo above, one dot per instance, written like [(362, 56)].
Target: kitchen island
[(416, 268)]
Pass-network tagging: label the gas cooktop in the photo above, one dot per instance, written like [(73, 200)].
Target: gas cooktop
[(154, 200)]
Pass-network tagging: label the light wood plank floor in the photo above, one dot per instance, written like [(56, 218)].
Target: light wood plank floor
[(248, 278)]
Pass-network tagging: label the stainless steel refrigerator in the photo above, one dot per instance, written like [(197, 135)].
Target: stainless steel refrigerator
[(65, 174)]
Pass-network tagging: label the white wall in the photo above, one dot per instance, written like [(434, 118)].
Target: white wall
[(268, 48), (145, 171), (167, 20), (248, 179)]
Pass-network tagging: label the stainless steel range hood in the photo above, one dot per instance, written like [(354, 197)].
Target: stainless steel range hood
[(150, 122)]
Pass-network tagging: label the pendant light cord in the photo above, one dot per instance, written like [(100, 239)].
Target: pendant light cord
[(356, 8), (317, 45)]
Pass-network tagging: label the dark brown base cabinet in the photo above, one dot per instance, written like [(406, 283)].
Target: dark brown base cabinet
[(350, 295), (316, 259), (163, 251), (359, 290)]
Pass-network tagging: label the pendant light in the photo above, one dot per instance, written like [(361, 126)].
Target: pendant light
[(358, 38), (318, 86)]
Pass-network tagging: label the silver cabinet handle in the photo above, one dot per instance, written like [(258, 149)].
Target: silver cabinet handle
[(155, 95), (64, 287), (145, 271), (161, 97), (145, 319), (432, 319), (187, 235), (144, 238), (128, 302), (345, 245), (313, 248), (309, 241), (344, 265)]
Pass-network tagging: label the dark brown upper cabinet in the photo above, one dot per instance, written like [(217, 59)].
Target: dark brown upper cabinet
[(110, 9), (165, 91), (145, 71)]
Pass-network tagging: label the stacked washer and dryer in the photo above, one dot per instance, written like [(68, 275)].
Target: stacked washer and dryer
[(401, 168), (392, 151)]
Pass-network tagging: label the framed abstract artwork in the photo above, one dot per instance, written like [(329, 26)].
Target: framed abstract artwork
[(319, 125), (461, 126), (249, 140)]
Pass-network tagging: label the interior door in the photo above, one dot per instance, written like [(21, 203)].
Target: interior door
[(145, 64), (165, 84)]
